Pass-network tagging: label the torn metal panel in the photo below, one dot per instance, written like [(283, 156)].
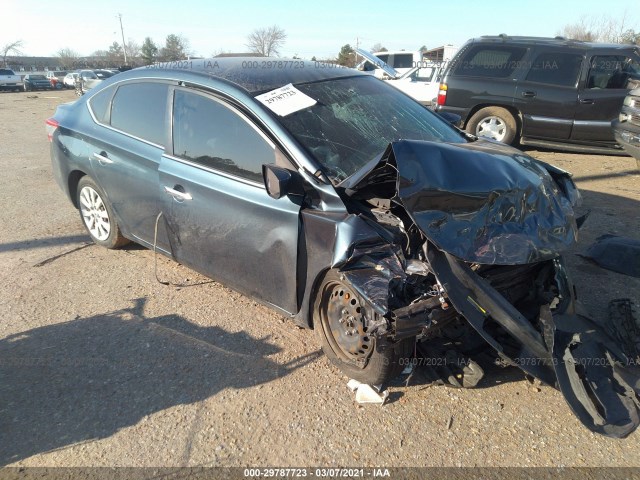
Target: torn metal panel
[(328, 240), (373, 270), (618, 254), (478, 201)]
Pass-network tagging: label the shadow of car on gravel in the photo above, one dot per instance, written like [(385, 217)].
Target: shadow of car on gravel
[(87, 378)]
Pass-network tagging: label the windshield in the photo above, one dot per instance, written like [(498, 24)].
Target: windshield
[(37, 77), (356, 118)]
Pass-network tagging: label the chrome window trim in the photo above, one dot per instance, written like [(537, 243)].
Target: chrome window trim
[(222, 173)]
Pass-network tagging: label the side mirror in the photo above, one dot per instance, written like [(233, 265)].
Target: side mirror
[(449, 117), (276, 180)]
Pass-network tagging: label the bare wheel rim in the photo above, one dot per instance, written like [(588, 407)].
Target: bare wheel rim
[(492, 127), (94, 213), (344, 324)]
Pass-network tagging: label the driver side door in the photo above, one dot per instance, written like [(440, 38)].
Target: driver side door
[(220, 219)]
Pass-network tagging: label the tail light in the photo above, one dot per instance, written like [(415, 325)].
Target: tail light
[(51, 125), (442, 94)]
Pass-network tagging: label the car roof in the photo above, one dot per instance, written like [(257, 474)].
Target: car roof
[(252, 74), (550, 41)]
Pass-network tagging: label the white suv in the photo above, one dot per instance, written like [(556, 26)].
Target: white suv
[(420, 82)]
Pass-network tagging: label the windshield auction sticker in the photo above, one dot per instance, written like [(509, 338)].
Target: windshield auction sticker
[(286, 100)]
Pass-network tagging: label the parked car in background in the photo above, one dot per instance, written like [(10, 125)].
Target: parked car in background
[(401, 61), (85, 81), (626, 127), (103, 74), (9, 80), (36, 82), (549, 92), (350, 208), (56, 78), (420, 82), (69, 80)]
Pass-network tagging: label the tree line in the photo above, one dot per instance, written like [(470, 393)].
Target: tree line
[(604, 29), (176, 47), (262, 41)]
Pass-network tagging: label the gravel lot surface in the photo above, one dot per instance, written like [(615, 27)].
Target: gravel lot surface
[(101, 365)]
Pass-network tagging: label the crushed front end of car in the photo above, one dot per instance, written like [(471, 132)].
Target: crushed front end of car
[(468, 252)]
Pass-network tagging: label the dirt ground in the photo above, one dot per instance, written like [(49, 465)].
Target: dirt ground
[(101, 365)]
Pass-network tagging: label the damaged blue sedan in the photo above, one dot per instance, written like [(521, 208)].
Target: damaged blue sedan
[(347, 206)]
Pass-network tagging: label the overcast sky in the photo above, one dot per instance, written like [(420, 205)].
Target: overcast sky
[(313, 28)]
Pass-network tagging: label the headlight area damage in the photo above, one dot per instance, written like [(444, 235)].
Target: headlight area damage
[(469, 238)]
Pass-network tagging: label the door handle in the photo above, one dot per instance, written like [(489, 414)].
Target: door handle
[(587, 101), (102, 158), (528, 94), (177, 194)]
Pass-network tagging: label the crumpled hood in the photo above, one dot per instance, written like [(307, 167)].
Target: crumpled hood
[(482, 202)]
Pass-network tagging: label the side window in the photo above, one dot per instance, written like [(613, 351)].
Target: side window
[(384, 57), (489, 61), (99, 104), (208, 132), (611, 71), (424, 74), (556, 68), (139, 109)]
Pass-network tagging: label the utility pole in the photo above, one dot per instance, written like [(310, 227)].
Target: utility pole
[(124, 45)]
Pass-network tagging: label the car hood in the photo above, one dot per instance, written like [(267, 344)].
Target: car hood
[(388, 69), (479, 201)]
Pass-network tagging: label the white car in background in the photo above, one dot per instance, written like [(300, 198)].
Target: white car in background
[(420, 82), (402, 61), (69, 80)]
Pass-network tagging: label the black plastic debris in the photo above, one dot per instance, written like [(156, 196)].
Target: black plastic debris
[(618, 254)]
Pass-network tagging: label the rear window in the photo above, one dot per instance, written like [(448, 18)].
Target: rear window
[(403, 60), (613, 72), (489, 61), (6, 72), (139, 109)]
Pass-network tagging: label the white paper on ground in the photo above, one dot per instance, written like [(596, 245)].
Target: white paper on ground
[(367, 393), (286, 100)]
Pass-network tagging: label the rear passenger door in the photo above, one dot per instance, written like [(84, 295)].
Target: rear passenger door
[(547, 96), (602, 92), (125, 152), (486, 74)]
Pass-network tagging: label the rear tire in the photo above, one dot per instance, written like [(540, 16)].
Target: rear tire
[(97, 215), (496, 123), (339, 311)]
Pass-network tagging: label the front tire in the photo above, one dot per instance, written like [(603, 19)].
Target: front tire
[(496, 123), (341, 325), (97, 215)]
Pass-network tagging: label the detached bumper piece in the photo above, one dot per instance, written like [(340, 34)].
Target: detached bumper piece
[(597, 372)]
